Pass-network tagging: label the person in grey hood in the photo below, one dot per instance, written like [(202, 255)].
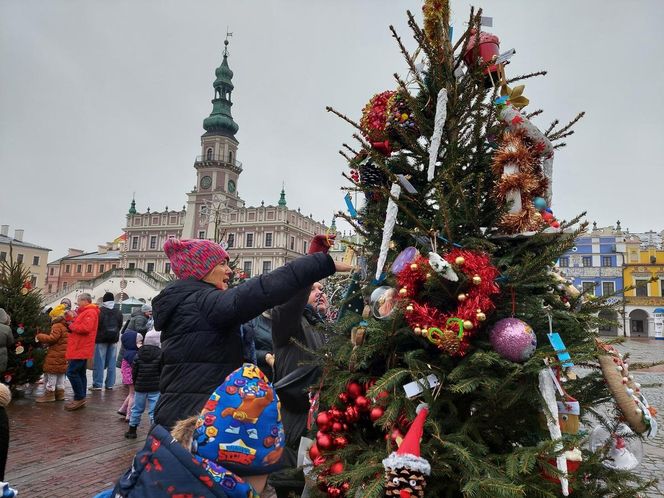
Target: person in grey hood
[(6, 339)]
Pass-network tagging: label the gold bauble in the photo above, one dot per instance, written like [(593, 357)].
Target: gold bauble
[(462, 297), (460, 260), (409, 308), (393, 244), (413, 266), (477, 280), (428, 276), (480, 316), (468, 325), (403, 291)]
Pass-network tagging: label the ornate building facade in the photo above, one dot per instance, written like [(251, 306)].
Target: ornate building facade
[(32, 256), (260, 238)]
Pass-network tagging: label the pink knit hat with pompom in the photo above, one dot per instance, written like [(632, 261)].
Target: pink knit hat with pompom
[(194, 257)]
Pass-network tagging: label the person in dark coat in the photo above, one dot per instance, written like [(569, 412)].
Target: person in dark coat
[(5, 399), (200, 318), (145, 371), (108, 334), (295, 323), (262, 333)]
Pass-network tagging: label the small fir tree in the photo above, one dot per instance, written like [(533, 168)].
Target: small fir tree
[(23, 303)]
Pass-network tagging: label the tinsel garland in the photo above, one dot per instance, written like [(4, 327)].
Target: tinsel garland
[(467, 317)]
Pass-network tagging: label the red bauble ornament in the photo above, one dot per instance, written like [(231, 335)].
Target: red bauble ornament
[(334, 492), (323, 421), (354, 389), (376, 412), (324, 442), (382, 395), (337, 427), (314, 452), (396, 434), (335, 413), (362, 403), (318, 461), (352, 414), (344, 398), (340, 442), (336, 468), (369, 384), (345, 487)]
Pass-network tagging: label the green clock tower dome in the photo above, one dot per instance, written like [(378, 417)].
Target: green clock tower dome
[(220, 121)]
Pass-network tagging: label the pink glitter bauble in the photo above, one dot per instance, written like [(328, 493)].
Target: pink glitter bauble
[(513, 339)]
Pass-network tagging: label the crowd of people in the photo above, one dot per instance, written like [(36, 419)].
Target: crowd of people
[(220, 371)]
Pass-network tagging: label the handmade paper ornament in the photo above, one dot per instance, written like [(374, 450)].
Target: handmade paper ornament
[(405, 469), (442, 266), (513, 339), (484, 48), (388, 227), (436, 137), (19, 349), (568, 416), (29, 363), (383, 301), (625, 449), (404, 259), (20, 330)]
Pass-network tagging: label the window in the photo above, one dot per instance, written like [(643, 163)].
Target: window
[(3, 256), (19, 258), (607, 261), (33, 280), (132, 266), (304, 247), (155, 220), (267, 266), (113, 267), (79, 268), (201, 234), (268, 239), (101, 268), (231, 240), (88, 269), (50, 288), (588, 288), (51, 271), (67, 268), (247, 268), (608, 288), (563, 262), (150, 267), (587, 261), (64, 285), (230, 156), (292, 243), (249, 240), (203, 209), (633, 257), (153, 242), (167, 267), (35, 261), (134, 242), (641, 288), (208, 154)]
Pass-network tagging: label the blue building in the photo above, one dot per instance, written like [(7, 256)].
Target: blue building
[(595, 265)]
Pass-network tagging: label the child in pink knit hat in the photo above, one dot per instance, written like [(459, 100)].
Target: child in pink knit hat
[(200, 317)]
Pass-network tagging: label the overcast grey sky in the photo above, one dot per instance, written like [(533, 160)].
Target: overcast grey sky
[(100, 99)]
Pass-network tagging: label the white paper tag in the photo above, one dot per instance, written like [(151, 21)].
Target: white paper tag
[(416, 387)]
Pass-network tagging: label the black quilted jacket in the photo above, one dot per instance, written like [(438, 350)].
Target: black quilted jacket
[(146, 369), (200, 330)]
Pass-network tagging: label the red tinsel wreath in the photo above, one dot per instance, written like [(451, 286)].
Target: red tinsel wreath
[(471, 311), (374, 117)]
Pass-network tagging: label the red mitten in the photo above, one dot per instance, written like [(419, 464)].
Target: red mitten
[(321, 243)]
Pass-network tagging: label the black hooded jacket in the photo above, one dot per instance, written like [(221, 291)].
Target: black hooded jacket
[(109, 325), (200, 330)]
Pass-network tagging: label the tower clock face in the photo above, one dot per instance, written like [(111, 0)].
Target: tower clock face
[(231, 186), (206, 182)]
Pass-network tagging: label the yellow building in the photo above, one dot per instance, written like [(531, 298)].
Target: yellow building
[(32, 256), (644, 268)]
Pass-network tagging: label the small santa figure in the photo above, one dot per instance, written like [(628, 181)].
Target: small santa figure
[(405, 470)]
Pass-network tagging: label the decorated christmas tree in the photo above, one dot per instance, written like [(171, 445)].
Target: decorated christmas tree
[(23, 303), (462, 363)]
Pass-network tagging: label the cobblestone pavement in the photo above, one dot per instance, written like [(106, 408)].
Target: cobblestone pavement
[(54, 453)]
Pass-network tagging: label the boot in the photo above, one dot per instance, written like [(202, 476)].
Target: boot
[(47, 397), (75, 405), (59, 395), (131, 433)]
